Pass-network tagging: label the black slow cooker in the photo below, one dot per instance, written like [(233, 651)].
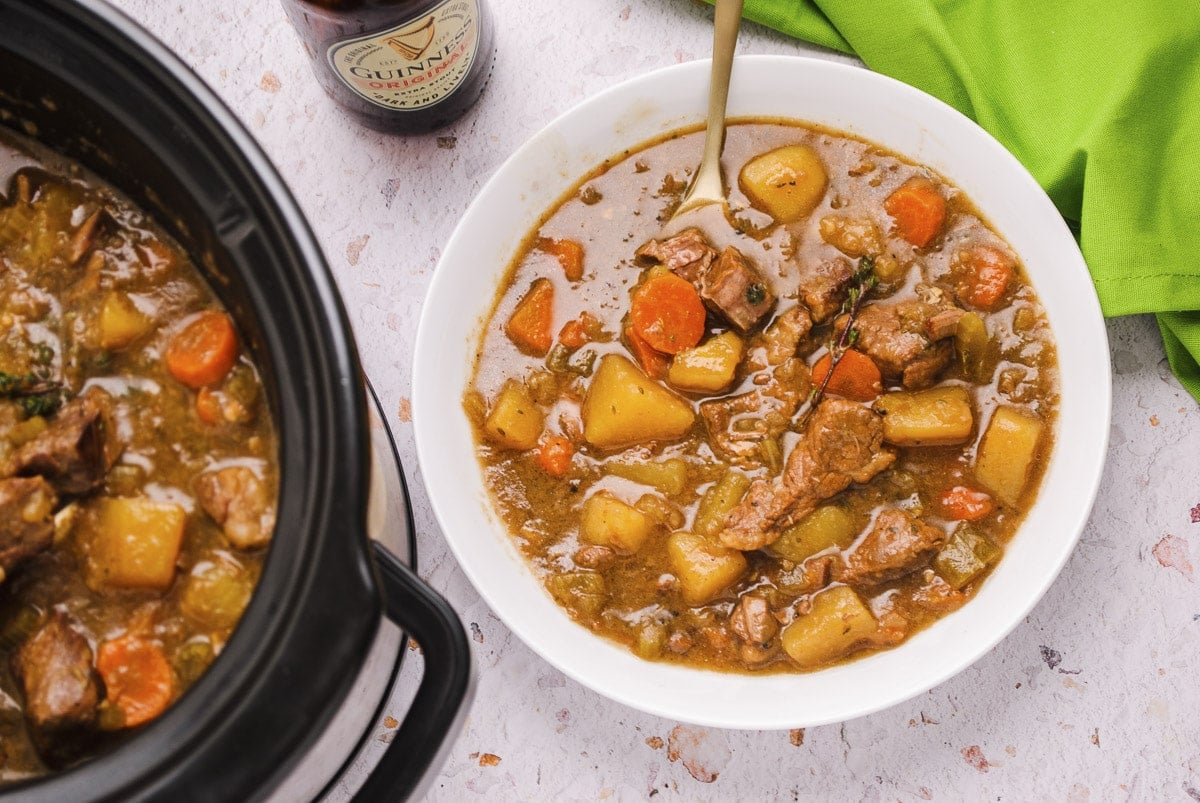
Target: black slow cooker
[(90, 84)]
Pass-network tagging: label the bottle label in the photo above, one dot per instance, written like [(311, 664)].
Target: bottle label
[(414, 65)]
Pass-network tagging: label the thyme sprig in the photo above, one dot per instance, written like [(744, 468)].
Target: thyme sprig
[(861, 284), (36, 394)]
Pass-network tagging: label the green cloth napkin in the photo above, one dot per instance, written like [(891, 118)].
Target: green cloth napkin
[(1100, 99)]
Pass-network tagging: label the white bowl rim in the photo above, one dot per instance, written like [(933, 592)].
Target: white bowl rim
[(449, 329)]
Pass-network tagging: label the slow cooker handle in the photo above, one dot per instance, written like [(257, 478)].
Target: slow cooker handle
[(442, 697)]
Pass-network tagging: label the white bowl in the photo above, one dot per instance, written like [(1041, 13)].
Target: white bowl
[(844, 98)]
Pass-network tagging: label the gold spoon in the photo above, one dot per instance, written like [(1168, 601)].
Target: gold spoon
[(707, 186)]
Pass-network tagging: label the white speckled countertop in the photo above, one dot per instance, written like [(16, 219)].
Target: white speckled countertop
[(1094, 697)]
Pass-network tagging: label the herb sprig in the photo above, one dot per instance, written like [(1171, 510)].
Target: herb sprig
[(861, 284)]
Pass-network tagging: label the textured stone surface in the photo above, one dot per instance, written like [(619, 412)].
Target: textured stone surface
[(1094, 697)]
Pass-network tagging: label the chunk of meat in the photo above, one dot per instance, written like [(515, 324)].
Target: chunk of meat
[(752, 621), (936, 595), (899, 338), (738, 425), (824, 289), (897, 544), (62, 691), (238, 501), (785, 334), (26, 520), (842, 444), (735, 290), (76, 450), (944, 324), (687, 254)]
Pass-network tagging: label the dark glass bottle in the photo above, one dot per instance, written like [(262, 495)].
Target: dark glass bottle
[(402, 66)]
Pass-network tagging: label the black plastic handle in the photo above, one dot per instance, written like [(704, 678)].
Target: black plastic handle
[(446, 684)]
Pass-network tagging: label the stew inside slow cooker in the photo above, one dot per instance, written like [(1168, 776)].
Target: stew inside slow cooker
[(138, 472), (776, 438)]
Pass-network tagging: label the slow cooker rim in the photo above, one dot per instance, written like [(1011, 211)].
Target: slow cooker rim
[(285, 584)]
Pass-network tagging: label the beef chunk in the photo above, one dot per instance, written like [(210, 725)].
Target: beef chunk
[(62, 691), (687, 254), (842, 444), (824, 290), (769, 408), (735, 290), (76, 450), (898, 338), (239, 501), (897, 544), (730, 286), (785, 334), (26, 520)]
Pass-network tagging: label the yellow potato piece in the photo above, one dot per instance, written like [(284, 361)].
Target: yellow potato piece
[(704, 568), (625, 407), (610, 522), (135, 543), (939, 416), (121, 323), (709, 367), (786, 183), (837, 623), (1007, 453), (515, 422)]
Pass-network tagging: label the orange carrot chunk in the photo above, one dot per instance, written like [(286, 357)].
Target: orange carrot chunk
[(204, 352), (208, 407), (530, 325), (654, 363), (581, 331), (569, 254), (918, 209), (966, 504), (137, 678), (667, 313), (987, 273), (856, 376), (554, 455)]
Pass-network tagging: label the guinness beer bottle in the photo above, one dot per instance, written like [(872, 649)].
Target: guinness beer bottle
[(402, 66)]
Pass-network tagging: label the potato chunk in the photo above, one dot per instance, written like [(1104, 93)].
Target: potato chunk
[(121, 323), (135, 543), (624, 407), (709, 367), (515, 422), (704, 568), (837, 623), (608, 521), (939, 416), (1007, 453), (786, 183)]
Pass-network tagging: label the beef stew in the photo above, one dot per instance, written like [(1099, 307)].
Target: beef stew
[(138, 467), (784, 437)]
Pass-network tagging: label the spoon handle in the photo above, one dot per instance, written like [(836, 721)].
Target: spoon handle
[(727, 20), (707, 186)]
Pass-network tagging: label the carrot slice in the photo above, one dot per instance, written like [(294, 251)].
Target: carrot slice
[(569, 254), (529, 326), (987, 274), (204, 352), (137, 677), (554, 455), (654, 363), (667, 313), (856, 376), (966, 504), (208, 407), (918, 209), (581, 331)]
